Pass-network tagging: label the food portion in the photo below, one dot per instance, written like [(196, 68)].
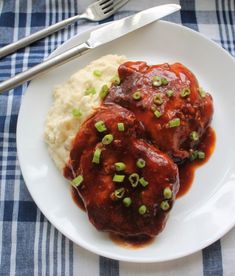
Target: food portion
[(127, 185), (119, 130), (168, 101)]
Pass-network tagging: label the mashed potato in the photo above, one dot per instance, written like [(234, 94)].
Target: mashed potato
[(74, 101)]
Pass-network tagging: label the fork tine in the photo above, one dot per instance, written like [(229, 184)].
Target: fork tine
[(116, 6), (107, 5), (101, 2)]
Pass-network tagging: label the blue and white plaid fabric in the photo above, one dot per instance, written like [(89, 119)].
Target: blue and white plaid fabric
[(29, 244)]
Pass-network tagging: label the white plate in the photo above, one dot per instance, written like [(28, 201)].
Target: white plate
[(199, 218)]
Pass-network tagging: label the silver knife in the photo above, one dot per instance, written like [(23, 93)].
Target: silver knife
[(97, 38)]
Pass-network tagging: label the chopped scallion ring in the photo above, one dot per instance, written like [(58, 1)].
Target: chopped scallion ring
[(158, 99), (118, 178), (169, 93), (157, 81), (78, 181), (164, 81), (121, 127), (107, 139), (119, 193), (201, 155), (104, 91), (96, 156), (120, 166), (157, 113), (134, 179), (174, 122), (97, 73), (90, 91), (143, 182), (142, 209), (127, 201), (185, 92), (140, 163), (165, 205), (167, 193), (76, 113), (100, 126), (202, 92), (194, 135), (137, 95), (116, 80)]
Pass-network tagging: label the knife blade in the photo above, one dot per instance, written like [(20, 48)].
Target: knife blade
[(97, 38)]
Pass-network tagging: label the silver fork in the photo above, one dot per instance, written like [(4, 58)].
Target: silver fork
[(97, 11)]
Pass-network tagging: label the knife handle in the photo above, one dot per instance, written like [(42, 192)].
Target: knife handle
[(44, 67)]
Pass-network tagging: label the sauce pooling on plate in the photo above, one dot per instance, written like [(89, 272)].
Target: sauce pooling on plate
[(127, 158)]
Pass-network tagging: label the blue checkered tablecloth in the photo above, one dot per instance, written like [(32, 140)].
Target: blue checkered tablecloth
[(29, 244)]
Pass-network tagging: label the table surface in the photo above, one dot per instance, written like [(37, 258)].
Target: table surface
[(29, 244)]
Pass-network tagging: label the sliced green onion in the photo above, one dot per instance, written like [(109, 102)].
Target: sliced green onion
[(158, 99), (127, 201), (137, 95), (194, 135), (202, 92), (104, 91), (121, 127), (164, 205), (143, 182), (118, 178), (201, 155), (164, 81), (174, 122), (185, 92), (120, 166), (142, 209), (97, 73), (78, 180), (134, 179), (107, 139), (76, 113), (157, 113), (116, 80), (119, 193), (194, 155), (100, 126), (167, 193), (140, 163), (169, 93), (156, 81), (96, 156), (90, 91)]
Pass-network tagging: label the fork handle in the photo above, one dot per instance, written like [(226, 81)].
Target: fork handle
[(4, 51), (44, 67)]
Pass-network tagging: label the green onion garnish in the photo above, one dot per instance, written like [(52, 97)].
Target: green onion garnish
[(143, 182), (107, 139), (104, 91), (158, 99), (119, 193), (167, 193), (140, 163), (116, 80), (174, 122), (76, 113), (127, 201), (100, 126), (157, 113), (134, 179), (90, 91), (157, 81), (202, 92), (164, 205), (169, 93), (97, 73), (121, 127), (96, 156), (194, 135), (185, 92), (78, 180), (164, 81), (120, 166), (118, 178), (137, 95), (201, 155), (142, 209)]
